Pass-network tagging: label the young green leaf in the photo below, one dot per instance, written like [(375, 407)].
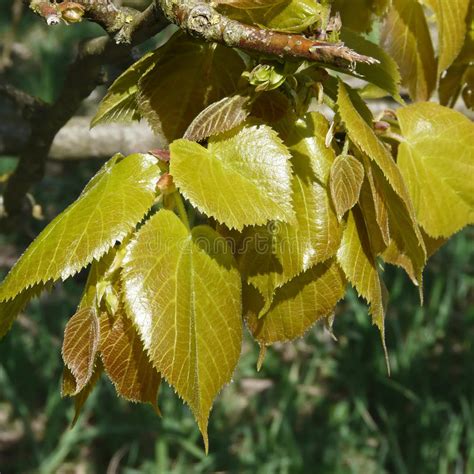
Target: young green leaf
[(9, 310), (451, 18), (273, 255), (436, 160), (113, 202), (120, 103), (406, 37), (125, 360), (219, 117), (189, 75), (347, 176), (242, 178), (292, 16), (385, 73), (81, 340), (187, 309), (391, 185), (296, 306), (356, 258)]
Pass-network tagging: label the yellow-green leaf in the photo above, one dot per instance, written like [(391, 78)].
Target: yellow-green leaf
[(451, 16), (385, 73), (120, 103), (109, 207), (406, 37), (249, 4), (305, 138), (187, 309), (189, 75), (296, 306), (273, 255), (390, 183), (436, 159), (9, 310), (292, 16), (242, 178), (357, 260), (81, 340), (347, 176), (125, 360)]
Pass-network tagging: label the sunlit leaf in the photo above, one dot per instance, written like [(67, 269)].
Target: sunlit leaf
[(81, 340), (296, 306), (356, 258), (347, 176), (406, 37), (273, 255), (292, 16), (436, 160), (125, 360), (189, 75), (390, 183), (451, 16), (113, 202), (242, 178), (219, 117), (187, 309)]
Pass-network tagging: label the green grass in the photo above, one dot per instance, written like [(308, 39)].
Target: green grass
[(317, 404)]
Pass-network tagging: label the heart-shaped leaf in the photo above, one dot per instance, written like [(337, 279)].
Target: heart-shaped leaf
[(242, 178), (187, 309)]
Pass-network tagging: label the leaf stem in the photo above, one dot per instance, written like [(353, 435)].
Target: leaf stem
[(181, 208)]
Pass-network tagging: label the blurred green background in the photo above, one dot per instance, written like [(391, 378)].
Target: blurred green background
[(316, 406)]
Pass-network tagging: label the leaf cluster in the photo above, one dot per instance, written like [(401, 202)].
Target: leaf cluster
[(262, 211)]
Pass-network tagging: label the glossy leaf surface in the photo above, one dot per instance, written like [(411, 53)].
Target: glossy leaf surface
[(187, 309), (242, 178), (436, 160), (125, 360), (113, 202), (296, 306)]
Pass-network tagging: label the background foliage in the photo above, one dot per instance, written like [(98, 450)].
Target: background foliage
[(315, 402)]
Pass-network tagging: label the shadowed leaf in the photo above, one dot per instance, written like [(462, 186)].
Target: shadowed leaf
[(389, 183), (81, 340), (126, 362), (406, 37), (347, 176), (188, 76), (385, 73), (9, 310), (219, 117), (120, 103)]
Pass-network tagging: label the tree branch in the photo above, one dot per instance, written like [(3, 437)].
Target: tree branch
[(202, 20), (81, 79)]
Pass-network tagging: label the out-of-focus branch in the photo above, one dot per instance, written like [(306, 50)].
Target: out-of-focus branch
[(84, 74)]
